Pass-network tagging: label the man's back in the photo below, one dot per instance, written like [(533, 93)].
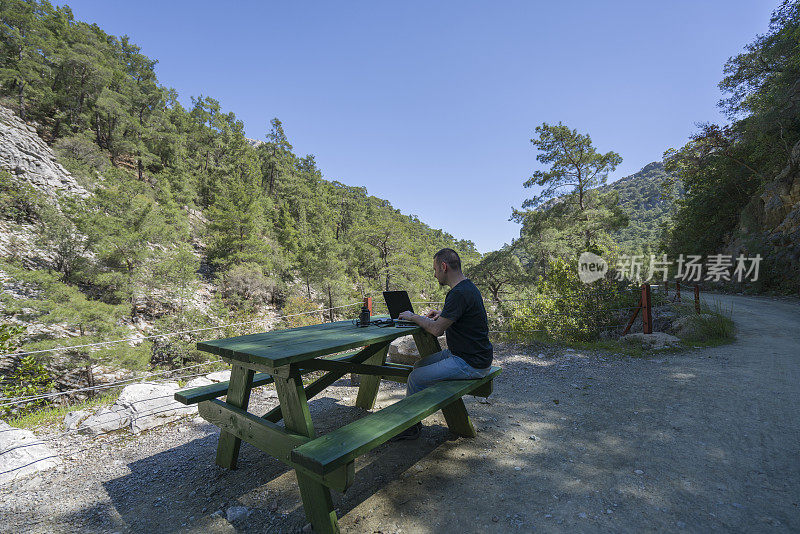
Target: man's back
[(468, 336)]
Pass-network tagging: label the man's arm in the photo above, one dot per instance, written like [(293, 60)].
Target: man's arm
[(435, 327)]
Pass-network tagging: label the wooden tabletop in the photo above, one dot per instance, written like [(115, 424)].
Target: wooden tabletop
[(283, 347)]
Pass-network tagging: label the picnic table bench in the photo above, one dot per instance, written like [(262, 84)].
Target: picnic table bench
[(283, 357)]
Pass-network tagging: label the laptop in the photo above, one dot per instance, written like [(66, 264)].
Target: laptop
[(397, 302)]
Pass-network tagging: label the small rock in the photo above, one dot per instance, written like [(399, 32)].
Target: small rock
[(73, 419), (495, 519), (533, 437), (680, 524), (517, 468), (639, 472), (582, 515), (540, 356), (609, 511), (237, 513)]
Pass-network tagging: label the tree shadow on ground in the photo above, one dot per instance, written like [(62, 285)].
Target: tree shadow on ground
[(180, 489)]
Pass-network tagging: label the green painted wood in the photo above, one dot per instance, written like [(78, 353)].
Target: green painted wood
[(294, 405), (319, 364), (269, 438), (265, 435), (241, 383), (280, 348), (333, 450), (427, 344), (319, 385), (317, 502), (368, 384), (457, 418), (484, 391), (212, 391)]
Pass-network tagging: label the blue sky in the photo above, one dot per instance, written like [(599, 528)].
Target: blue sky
[(432, 104)]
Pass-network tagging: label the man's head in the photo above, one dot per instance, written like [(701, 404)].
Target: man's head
[(446, 266)]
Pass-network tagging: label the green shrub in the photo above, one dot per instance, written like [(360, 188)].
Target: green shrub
[(19, 202), (561, 307), (299, 304), (30, 378)]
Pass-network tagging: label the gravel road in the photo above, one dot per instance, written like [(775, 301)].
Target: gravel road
[(572, 441)]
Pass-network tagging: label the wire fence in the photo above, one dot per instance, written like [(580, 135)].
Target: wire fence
[(498, 322)]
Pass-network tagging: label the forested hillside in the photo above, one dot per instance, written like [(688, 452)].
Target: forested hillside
[(641, 197), (180, 200)]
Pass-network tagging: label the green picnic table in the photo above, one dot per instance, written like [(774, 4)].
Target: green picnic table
[(283, 357)]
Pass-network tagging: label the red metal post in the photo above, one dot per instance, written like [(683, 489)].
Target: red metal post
[(697, 298), (368, 304), (647, 312)]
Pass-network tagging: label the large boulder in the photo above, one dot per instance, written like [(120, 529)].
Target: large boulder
[(140, 407), (22, 453), (404, 350), (656, 340)]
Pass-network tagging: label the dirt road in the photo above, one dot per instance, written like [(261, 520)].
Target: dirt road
[(703, 440)]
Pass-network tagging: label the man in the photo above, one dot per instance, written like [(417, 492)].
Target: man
[(463, 320)]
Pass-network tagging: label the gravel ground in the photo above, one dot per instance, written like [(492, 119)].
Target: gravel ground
[(572, 441)]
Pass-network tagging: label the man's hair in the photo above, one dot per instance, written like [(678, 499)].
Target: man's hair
[(450, 257)]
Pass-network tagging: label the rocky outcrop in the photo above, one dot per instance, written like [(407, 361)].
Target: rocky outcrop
[(22, 453), (26, 155), (770, 226), (139, 407)]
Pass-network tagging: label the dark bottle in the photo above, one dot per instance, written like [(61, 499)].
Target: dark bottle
[(363, 318)]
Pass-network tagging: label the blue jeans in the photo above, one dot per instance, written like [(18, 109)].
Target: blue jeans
[(443, 365)]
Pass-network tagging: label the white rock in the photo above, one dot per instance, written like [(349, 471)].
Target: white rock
[(152, 404), (141, 406), (198, 382), (26, 155), (105, 420), (404, 350), (22, 453), (219, 376), (73, 419)]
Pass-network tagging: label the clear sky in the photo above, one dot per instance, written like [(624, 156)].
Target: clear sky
[(432, 105)]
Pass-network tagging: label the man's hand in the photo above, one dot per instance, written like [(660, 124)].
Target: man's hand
[(405, 316), (433, 314)]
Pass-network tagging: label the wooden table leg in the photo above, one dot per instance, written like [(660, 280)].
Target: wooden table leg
[(238, 395), (457, 418), (317, 502), (369, 384)]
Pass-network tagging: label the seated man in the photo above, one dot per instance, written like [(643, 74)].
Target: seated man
[(463, 320)]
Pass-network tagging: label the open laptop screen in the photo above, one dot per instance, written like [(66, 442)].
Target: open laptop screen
[(396, 302)]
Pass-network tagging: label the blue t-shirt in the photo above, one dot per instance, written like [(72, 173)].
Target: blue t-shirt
[(468, 336)]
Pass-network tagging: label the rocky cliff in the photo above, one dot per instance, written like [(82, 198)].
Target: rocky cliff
[(26, 155), (770, 226)]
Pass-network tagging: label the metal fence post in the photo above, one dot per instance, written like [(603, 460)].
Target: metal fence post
[(677, 290), (368, 304), (647, 311)]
